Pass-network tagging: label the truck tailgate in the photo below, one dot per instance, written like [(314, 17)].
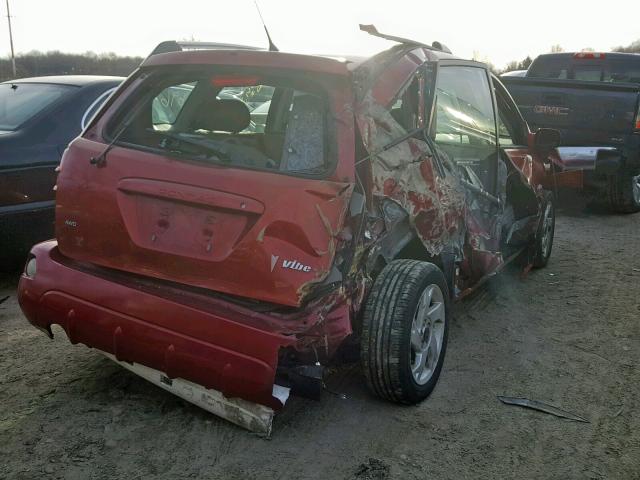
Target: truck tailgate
[(583, 111)]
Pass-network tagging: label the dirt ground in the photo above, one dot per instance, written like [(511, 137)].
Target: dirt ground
[(568, 335)]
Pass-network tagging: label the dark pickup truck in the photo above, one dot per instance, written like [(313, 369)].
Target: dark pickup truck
[(593, 100)]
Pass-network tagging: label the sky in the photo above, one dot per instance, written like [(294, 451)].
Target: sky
[(498, 31)]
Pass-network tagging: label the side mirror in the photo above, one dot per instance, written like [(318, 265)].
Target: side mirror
[(544, 140)]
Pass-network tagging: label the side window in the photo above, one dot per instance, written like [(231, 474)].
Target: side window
[(168, 104), (465, 125), (303, 148), (464, 112), (406, 109), (504, 132), (511, 127)]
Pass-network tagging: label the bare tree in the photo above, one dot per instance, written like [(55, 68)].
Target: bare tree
[(515, 65), (478, 57)]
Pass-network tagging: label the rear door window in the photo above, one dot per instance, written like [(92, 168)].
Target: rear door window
[(251, 121), (19, 102)]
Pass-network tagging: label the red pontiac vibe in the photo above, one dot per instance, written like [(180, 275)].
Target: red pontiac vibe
[(232, 217)]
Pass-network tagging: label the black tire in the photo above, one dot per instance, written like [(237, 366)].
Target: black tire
[(546, 232), (385, 347), (624, 192)]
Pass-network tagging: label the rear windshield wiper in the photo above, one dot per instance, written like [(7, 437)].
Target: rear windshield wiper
[(172, 142)]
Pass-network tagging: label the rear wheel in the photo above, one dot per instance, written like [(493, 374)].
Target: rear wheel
[(544, 235), (405, 330), (624, 192)]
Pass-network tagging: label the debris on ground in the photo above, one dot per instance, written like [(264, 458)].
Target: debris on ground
[(4, 299), (542, 407), (375, 469)]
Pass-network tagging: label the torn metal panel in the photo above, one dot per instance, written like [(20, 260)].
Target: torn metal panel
[(405, 173)]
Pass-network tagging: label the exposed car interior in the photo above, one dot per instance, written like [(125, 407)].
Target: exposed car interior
[(208, 117)]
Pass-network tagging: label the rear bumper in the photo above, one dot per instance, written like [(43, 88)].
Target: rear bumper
[(233, 356)]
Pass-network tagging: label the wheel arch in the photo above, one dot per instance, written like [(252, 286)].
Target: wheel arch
[(410, 247)]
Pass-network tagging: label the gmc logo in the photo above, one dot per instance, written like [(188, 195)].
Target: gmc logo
[(551, 110)]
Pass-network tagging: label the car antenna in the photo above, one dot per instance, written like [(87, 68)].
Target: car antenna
[(272, 46)]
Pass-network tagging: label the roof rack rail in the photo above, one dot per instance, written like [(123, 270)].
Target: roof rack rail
[(173, 46), (372, 30)]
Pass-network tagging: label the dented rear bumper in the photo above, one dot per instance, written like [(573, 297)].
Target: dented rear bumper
[(225, 350)]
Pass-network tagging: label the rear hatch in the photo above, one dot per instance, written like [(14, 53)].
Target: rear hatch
[(197, 190)]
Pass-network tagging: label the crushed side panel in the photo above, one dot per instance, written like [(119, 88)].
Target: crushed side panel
[(406, 174)]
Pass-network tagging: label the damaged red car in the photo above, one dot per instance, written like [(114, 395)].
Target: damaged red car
[(228, 256)]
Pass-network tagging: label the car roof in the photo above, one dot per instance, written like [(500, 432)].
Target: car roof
[(72, 80), (329, 63), (354, 61)]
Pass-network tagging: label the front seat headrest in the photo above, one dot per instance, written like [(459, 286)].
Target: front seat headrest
[(223, 116)]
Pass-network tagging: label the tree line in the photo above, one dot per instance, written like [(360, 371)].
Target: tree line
[(632, 48), (36, 64)]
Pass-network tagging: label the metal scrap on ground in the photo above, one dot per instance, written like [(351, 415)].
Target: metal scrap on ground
[(542, 407)]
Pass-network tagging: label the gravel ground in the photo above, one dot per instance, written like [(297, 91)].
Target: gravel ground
[(567, 335)]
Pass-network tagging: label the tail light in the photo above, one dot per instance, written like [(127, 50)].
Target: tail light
[(589, 55), (30, 268), (637, 129)]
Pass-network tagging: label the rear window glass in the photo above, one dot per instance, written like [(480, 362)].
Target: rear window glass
[(549, 67), (246, 120), (623, 71), (588, 73), (20, 102), (607, 69)]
